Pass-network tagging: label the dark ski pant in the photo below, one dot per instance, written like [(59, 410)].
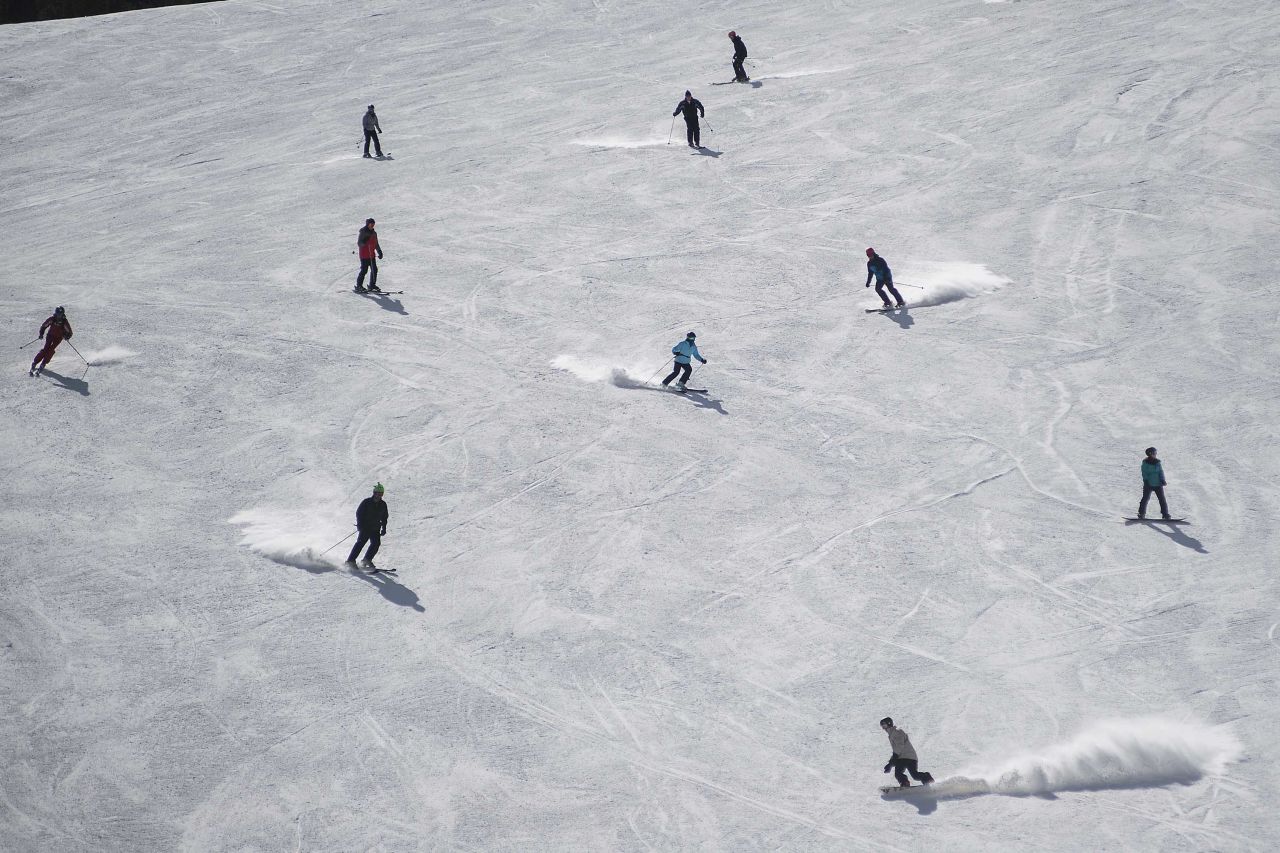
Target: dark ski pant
[(1146, 496), (881, 285), (375, 542), (739, 72), (687, 368), (902, 766), (693, 132), (371, 136), (367, 265), (42, 357)]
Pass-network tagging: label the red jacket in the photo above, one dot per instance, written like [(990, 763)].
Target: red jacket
[(57, 328), (368, 243)]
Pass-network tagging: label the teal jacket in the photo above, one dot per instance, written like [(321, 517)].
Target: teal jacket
[(1152, 473), (684, 349)]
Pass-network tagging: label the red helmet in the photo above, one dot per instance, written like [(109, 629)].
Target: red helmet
[(871, 253)]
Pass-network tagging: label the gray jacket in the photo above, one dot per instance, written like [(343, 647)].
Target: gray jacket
[(901, 744), (371, 121)]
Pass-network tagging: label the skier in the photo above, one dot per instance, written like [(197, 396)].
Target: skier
[(58, 328), (682, 351), (904, 758), (371, 131), (691, 107), (879, 268), (739, 55), (367, 242), (1152, 481), (371, 521)]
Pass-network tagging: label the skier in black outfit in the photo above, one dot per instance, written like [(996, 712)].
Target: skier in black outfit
[(739, 56), (371, 131), (691, 107), (371, 521), (879, 268)]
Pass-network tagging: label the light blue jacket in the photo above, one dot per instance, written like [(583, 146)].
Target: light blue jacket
[(684, 349)]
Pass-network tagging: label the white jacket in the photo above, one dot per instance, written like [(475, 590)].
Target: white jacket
[(901, 744)]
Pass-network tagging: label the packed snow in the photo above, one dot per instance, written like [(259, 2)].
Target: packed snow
[(624, 619)]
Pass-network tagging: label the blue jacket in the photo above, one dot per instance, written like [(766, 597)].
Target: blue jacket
[(879, 268), (684, 349), (1152, 472)]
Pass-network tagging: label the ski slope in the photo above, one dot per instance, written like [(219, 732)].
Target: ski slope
[(623, 619)]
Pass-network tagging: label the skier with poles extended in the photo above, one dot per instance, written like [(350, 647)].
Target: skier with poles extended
[(367, 243), (739, 56), (904, 759), (683, 351), (58, 328), (691, 107), (878, 268), (371, 131), (371, 523)]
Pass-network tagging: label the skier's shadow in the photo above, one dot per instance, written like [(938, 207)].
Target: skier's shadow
[(387, 303), (702, 401), (901, 317), (707, 152), (389, 589), (1172, 531), (77, 385)]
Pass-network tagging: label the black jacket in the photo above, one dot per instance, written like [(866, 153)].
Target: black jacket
[(690, 108), (739, 49), (879, 268), (371, 515)]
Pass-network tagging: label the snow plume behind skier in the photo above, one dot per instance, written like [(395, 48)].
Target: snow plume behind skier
[(683, 351)]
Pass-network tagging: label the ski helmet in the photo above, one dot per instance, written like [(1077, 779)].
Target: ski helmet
[(377, 490), (369, 221), (871, 253), (59, 311), (1150, 451), (691, 335), (371, 106), (887, 721), (732, 34)]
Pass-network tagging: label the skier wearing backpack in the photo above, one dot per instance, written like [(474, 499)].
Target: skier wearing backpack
[(58, 328), (879, 268), (739, 56), (371, 131), (371, 522), (904, 759), (691, 107), (683, 351), (367, 244)]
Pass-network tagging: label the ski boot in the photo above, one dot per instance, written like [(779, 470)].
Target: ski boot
[(368, 564), (373, 288)]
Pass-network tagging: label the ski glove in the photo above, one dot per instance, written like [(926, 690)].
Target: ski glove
[(888, 767), (704, 361)]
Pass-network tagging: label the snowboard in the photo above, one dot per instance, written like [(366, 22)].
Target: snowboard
[(895, 790), (887, 310), (1156, 521)]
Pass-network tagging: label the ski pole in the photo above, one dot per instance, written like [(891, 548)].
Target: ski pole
[(77, 352), (709, 127), (28, 343), (336, 544), (916, 286), (656, 372), (669, 134)]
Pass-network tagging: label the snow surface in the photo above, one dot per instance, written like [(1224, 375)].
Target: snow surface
[(628, 620)]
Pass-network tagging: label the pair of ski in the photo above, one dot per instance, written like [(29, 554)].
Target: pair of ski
[(683, 390), (364, 291), (886, 309)]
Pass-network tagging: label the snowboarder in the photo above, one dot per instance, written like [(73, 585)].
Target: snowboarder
[(904, 759), (878, 267), (682, 351), (58, 328), (371, 131), (1152, 481), (367, 243), (739, 56), (371, 522), (691, 107)]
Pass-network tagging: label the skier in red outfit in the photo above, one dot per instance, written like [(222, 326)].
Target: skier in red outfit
[(367, 243), (58, 327)]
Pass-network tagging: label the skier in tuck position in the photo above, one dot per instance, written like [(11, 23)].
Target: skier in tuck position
[(878, 268), (1152, 481), (691, 107), (739, 56), (371, 131), (683, 351), (904, 759), (58, 328), (367, 243), (371, 522)]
